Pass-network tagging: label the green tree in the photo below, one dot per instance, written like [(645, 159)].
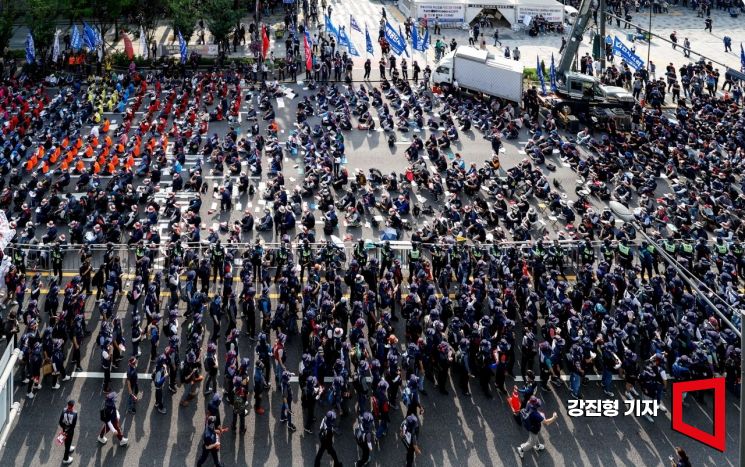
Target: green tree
[(147, 14), (77, 10), (183, 15), (41, 16), (107, 14), (221, 19), (9, 13)]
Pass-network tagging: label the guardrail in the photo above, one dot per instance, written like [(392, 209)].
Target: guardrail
[(34, 253)]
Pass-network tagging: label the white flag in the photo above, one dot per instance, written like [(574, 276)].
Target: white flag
[(143, 43), (6, 233), (55, 47)]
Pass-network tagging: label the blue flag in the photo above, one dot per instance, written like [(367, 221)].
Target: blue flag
[(402, 35), (89, 36), (353, 24), (352, 49), (76, 41), (414, 37), (424, 43), (397, 43), (99, 43), (182, 47), (552, 74), (368, 42), (330, 28), (539, 70), (310, 39), (742, 57), (343, 39), (30, 50), (620, 49)]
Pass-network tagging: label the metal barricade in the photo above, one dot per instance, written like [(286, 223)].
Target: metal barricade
[(400, 248)]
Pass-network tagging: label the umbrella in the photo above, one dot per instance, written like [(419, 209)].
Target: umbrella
[(389, 234)]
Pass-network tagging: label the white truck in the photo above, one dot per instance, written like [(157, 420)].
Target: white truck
[(480, 71)]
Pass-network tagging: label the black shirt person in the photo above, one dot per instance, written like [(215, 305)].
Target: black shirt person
[(211, 446), (68, 420), (326, 435)]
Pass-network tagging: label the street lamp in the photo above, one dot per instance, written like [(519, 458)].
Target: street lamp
[(649, 37), (627, 216)]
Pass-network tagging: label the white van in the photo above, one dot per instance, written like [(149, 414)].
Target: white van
[(570, 14)]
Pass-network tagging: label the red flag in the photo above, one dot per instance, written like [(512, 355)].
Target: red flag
[(308, 56), (264, 42), (128, 49)]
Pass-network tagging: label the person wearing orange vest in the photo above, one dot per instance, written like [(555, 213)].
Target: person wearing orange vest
[(96, 167), (31, 164), (88, 151), (79, 166), (106, 126)]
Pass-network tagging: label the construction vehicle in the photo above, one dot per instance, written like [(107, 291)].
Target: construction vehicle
[(577, 93)]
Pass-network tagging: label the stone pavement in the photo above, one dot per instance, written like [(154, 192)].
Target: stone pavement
[(680, 19)]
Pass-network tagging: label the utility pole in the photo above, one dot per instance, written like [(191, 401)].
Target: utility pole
[(649, 37), (602, 35)]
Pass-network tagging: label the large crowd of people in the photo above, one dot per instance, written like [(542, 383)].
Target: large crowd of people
[(375, 330)]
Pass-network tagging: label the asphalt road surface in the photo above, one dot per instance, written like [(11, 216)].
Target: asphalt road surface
[(456, 430)]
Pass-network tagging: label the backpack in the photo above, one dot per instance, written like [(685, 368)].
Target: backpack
[(375, 408), (359, 435), (210, 362), (159, 378), (275, 352), (405, 435), (406, 396), (325, 431), (481, 360), (525, 417)]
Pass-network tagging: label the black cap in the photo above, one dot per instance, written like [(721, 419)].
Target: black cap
[(71, 402)]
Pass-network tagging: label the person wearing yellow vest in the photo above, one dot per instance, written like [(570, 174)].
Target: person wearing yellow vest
[(587, 253), (720, 251), (415, 258), (686, 253), (670, 248), (737, 250), (625, 256)]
